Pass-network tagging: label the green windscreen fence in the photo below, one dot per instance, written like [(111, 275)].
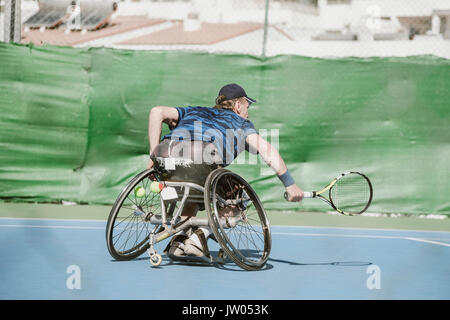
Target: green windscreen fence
[(74, 122)]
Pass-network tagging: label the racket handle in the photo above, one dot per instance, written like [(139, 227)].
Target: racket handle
[(306, 194)]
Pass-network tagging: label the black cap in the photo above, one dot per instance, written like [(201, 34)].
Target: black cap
[(233, 91)]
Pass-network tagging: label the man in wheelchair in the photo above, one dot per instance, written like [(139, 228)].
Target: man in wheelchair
[(204, 139)]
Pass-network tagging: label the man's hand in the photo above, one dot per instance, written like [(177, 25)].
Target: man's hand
[(150, 164), (294, 193)]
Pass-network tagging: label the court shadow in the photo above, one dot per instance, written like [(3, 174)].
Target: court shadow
[(231, 266), (135, 259), (166, 262), (333, 263), (227, 264)]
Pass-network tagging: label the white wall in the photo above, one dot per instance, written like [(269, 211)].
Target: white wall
[(359, 11)]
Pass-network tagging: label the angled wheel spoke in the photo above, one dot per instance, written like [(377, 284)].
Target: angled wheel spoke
[(128, 232), (245, 243)]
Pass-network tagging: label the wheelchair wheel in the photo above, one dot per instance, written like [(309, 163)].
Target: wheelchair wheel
[(127, 229), (245, 237)]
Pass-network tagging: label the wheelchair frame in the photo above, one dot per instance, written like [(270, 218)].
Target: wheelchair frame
[(170, 223), (175, 226)]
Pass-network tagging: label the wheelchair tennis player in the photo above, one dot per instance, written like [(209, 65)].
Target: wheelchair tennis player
[(212, 137)]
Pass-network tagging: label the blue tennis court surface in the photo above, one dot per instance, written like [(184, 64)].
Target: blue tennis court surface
[(39, 256)]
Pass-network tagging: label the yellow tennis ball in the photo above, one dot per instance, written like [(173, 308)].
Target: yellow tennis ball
[(139, 192), (156, 187)]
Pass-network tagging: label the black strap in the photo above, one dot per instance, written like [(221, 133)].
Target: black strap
[(180, 238), (203, 241)]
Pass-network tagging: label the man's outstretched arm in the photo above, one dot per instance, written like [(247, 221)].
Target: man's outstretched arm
[(273, 159), (157, 116)]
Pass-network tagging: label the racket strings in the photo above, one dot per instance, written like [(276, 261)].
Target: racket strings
[(351, 193)]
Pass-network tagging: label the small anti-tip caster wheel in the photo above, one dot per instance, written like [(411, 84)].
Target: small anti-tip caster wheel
[(155, 259)]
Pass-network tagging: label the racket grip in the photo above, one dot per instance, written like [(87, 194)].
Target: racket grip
[(306, 194)]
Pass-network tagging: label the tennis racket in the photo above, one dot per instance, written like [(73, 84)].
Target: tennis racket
[(350, 193)]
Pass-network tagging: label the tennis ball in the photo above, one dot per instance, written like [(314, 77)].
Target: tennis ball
[(139, 192), (156, 187)]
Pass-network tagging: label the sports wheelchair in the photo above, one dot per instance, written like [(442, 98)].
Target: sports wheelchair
[(141, 217)]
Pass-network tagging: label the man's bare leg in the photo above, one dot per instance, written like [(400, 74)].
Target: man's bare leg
[(229, 211), (194, 246), (175, 249), (190, 209)]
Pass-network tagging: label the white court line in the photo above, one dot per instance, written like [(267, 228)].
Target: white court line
[(363, 229), (49, 227), (278, 226), (274, 233), (361, 236), (429, 241), (337, 235), (53, 219)]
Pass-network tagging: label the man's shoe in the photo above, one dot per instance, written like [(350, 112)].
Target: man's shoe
[(175, 248), (191, 248)]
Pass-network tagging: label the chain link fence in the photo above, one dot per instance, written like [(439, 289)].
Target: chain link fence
[(317, 28)]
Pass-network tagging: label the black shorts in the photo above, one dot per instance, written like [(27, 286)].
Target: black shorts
[(186, 161)]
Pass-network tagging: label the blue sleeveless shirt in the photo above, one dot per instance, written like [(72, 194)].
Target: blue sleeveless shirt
[(225, 128)]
